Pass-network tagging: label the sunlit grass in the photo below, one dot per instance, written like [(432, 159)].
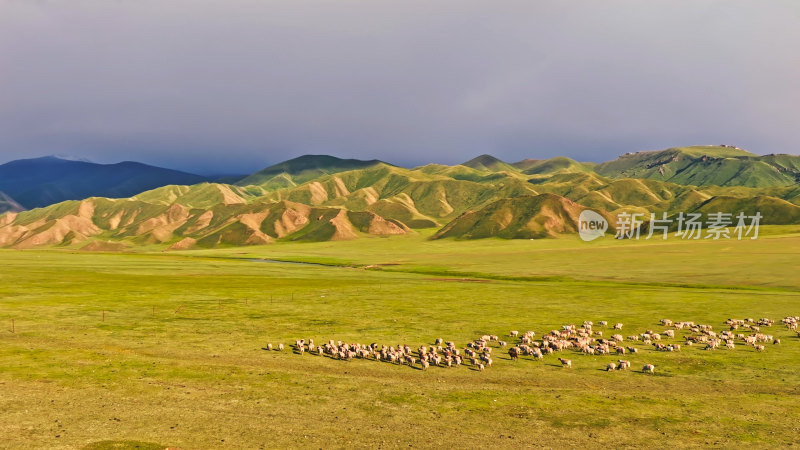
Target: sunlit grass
[(168, 348)]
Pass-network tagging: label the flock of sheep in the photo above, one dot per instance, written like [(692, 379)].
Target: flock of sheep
[(585, 339)]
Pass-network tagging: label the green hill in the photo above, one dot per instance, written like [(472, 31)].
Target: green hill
[(132, 222), (302, 169), (706, 165), (418, 197), (774, 211), (558, 164), (202, 195), (460, 172), (525, 217), (629, 194), (489, 163), (323, 198)]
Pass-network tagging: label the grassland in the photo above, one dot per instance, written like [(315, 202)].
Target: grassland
[(167, 348)]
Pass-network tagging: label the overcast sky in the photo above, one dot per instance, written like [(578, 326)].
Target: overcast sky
[(235, 85)]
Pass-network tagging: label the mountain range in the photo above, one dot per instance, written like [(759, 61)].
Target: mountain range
[(38, 182), (320, 198), (703, 165)]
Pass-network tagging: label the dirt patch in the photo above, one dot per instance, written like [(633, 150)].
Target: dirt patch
[(228, 196), (344, 229), (183, 244)]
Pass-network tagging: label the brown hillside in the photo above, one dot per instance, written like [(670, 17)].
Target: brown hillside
[(526, 217)]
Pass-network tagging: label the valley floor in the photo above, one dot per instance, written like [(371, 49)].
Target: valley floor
[(168, 348)]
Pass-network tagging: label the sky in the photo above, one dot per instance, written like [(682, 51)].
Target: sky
[(231, 86)]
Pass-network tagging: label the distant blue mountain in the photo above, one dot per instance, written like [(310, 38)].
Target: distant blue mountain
[(43, 181)]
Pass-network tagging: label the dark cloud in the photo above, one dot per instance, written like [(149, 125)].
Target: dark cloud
[(236, 84)]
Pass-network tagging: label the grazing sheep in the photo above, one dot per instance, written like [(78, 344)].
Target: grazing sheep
[(581, 339), (269, 346)]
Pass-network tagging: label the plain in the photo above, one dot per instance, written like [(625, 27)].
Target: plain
[(169, 348)]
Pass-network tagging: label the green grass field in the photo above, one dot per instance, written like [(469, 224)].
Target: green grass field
[(110, 350)]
